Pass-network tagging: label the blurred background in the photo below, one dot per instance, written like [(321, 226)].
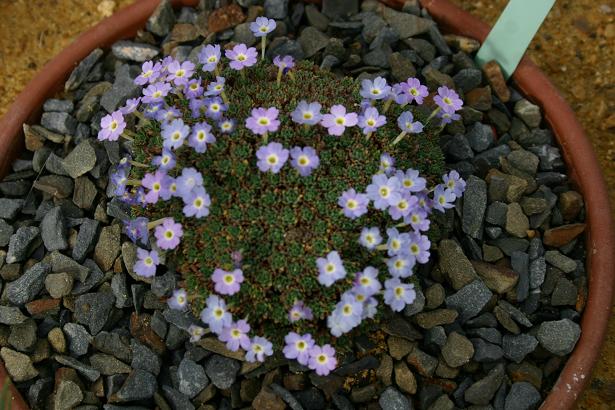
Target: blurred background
[(575, 47)]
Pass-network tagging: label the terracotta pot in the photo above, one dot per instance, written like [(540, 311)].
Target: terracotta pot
[(576, 148)]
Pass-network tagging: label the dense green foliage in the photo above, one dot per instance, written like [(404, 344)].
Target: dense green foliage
[(282, 222)]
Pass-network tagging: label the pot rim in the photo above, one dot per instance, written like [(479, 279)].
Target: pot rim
[(577, 151)]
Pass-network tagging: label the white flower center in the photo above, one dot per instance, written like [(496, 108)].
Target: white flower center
[(229, 279), (169, 234), (148, 261), (263, 121), (212, 59), (340, 120), (347, 310), (351, 204), (113, 125), (218, 313), (399, 292), (447, 101), (371, 122), (307, 115), (156, 187), (176, 136), (180, 73), (385, 191), (198, 203), (303, 160), (157, 94), (241, 57), (375, 91), (181, 299), (322, 358), (301, 345), (272, 159), (369, 238), (330, 268)]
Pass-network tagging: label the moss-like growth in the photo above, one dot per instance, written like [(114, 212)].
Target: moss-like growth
[(282, 222)]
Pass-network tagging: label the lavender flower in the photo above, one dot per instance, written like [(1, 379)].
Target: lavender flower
[(284, 63), (241, 56), (348, 314), (262, 26), (136, 230), (408, 126), (197, 203), (216, 87), (375, 90), (304, 160), (387, 163), (179, 300), (226, 125), (227, 283), (384, 191), (149, 73), (235, 336), (367, 281), (152, 110), (404, 206), (210, 57), (179, 73), (337, 121), (201, 136), (447, 117), (168, 115), (414, 90), (448, 100), (353, 204), (193, 88), (397, 294), (418, 247), (443, 198), (146, 263), (371, 120), (130, 106), (300, 311), (189, 180), (155, 93), (455, 183), (174, 134), (400, 266), (271, 157), (214, 108), (111, 126), (263, 120), (370, 237), (215, 314), (168, 234), (196, 333), (259, 348), (411, 181), (396, 241), (322, 359), (418, 219), (308, 114), (298, 347), (330, 269), (157, 183)]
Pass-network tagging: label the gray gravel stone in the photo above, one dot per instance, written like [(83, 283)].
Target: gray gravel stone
[(162, 19), (144, 358), (457, 350), (86, 238), (29, 285), (485, 352), (517, 223), (222, 371), (60, 122), (560, 261), (468, 79), (85, 370), (481, 392), (80, 73), (564, 294), (59, 284), (78, 338), (480, 136), (393, 399), (528, 112), (6, 231), (538, 270), (22, 337), (407, 25), (474, 206), (191, 378), (21, 243), (62, 263), (163, 285), (516, 347), (458, 148), (132, 51), (53, 104), (334, 9), (315, 18), (524, 161), (276, 9), (559, 336), (470, 300), (80, 160), (10, 315), (243, 34), (67, 396), (455, 264), (10, 207), (312, 41), (139, 385), (108, 365), (108, 246), (176, 399), (123, 88), (522, 396), (18, 365), (92, 310), (53, 230)]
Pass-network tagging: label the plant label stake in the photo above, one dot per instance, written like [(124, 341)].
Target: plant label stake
[(513, 32)]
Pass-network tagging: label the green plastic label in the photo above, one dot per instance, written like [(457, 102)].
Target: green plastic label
[(513, 32)]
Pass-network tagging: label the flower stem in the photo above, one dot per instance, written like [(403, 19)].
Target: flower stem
[(217, 70), (368, 136), (382, 247), (387, 105), (279, 77), (153, 224), (138, 164), (433, 114), (263, 46), (291, 75), (224, 98), (399, 137), (265, 137), (133, 182), (129, 135)]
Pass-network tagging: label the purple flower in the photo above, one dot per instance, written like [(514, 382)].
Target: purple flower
[(136, 229), (370, 237), (197, 107), (197, 203), (111, 126), (168, 115), (259, 348), (398, 94), (371, 120), (216, 87), (196, 333), (330, 269), (227, 283), (307, 113), (411, 181), (201, 136), (241, 56), (215, 314), (262, 26), (397, 294), (157, 183), (131, 105), (149, 73), (370, 308), (353, 204), (337, 121), (407, 125), (448, 100), (346, 316), (396, 241), (425, 202), (168, 234), (414, 90), (214, 108), (193, 88), (400, 266), (174, 134), (298, 347), (455, 183), (418, 247), (367, 281), (263, 120), (179, 73), (271, 157), (384, 191), (418, 219), (447, 117), (152, 110), (404, 206), (304, 160), (443, 198), (209, 56), (284, 63), (155, 93), (235, 336), (146, 263), (387, 163), (189, 179), (375, 90), (322, 359), (226, 125), (179, 300), (300, 311)]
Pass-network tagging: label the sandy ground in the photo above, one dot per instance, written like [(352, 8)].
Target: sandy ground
[(575, 47)]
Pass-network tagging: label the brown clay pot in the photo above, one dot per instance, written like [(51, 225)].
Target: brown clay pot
[(577, 151)]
